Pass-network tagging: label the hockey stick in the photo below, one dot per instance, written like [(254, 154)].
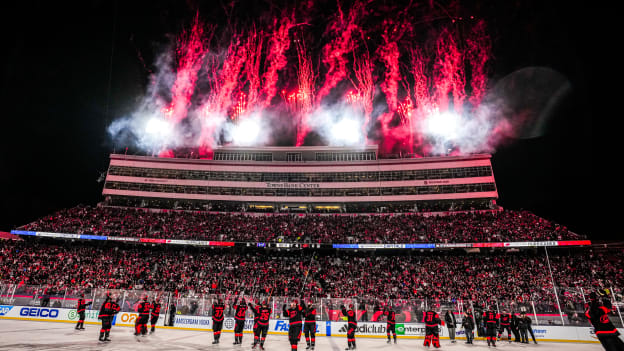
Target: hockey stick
[(307, 274), (254, 291)]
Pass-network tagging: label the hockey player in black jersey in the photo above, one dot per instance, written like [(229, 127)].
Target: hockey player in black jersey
[(491, 321), (351, 325), (80, 308), (598, 315), (432, 335), (309, 327), (218, 309), (294, 314), (390, 315), (263, 314), (239, 324)]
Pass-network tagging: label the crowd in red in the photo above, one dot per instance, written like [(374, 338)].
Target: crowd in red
[(483, 278), (500, 226)]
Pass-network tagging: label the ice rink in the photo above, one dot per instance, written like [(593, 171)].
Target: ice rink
[(29, 335)]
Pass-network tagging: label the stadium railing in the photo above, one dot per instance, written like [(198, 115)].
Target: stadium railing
[(369, 309)]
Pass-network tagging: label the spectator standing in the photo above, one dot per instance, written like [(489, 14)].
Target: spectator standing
[(451, 324), (172, 314), (468, 324)]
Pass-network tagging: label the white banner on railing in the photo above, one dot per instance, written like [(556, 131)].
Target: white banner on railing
[(278, 326)]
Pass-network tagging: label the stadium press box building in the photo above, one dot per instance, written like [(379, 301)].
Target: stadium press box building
[(306, 179)]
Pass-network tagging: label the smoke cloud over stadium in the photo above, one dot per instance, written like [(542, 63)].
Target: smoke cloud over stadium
[(412, 79)]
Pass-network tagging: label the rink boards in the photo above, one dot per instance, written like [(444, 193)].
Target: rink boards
[(278, 326)]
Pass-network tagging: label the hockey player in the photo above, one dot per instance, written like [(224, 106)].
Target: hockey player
[(218, 309), (598, 315), (264, 314), (154, 314), (505, 324), (351, 325), (239, 317), (491, 321), (256, 312), (309, 327), (140, 325), (390, 323), (294, 314), (116, 306), (432, 336), (80, 308), (107, 310)]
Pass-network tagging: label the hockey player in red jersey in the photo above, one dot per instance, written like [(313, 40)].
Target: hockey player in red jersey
[(390, 323), (107, 310), (491, 320), (155, 312), (351, 325), (239, 324), (263, 312), (432, 335), (294, 314), (309, 327), (598, 315), (140, 326), (256, 313), (505, 324), (80, 308), (218, 309)]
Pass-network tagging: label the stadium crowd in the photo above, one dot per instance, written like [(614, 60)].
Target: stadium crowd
[(519, 277), (500, 226)]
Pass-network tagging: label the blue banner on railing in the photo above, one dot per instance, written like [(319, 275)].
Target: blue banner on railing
[(23, 232)]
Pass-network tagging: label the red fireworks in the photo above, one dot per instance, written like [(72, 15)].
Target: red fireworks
[(416, 78), (189, 52)]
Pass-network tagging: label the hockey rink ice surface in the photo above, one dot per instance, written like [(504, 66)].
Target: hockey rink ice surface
[(29, 335)]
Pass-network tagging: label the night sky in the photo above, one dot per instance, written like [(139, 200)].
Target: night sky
[(59, 94)]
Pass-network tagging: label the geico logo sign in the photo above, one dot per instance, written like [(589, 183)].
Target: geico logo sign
[(39, 312), (128, 318)]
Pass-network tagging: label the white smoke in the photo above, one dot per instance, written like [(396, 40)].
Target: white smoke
[(339, 124), (252, 130)]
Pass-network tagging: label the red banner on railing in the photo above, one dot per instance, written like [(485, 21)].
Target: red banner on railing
[(157, 241), (221, 243), (574, 242)]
